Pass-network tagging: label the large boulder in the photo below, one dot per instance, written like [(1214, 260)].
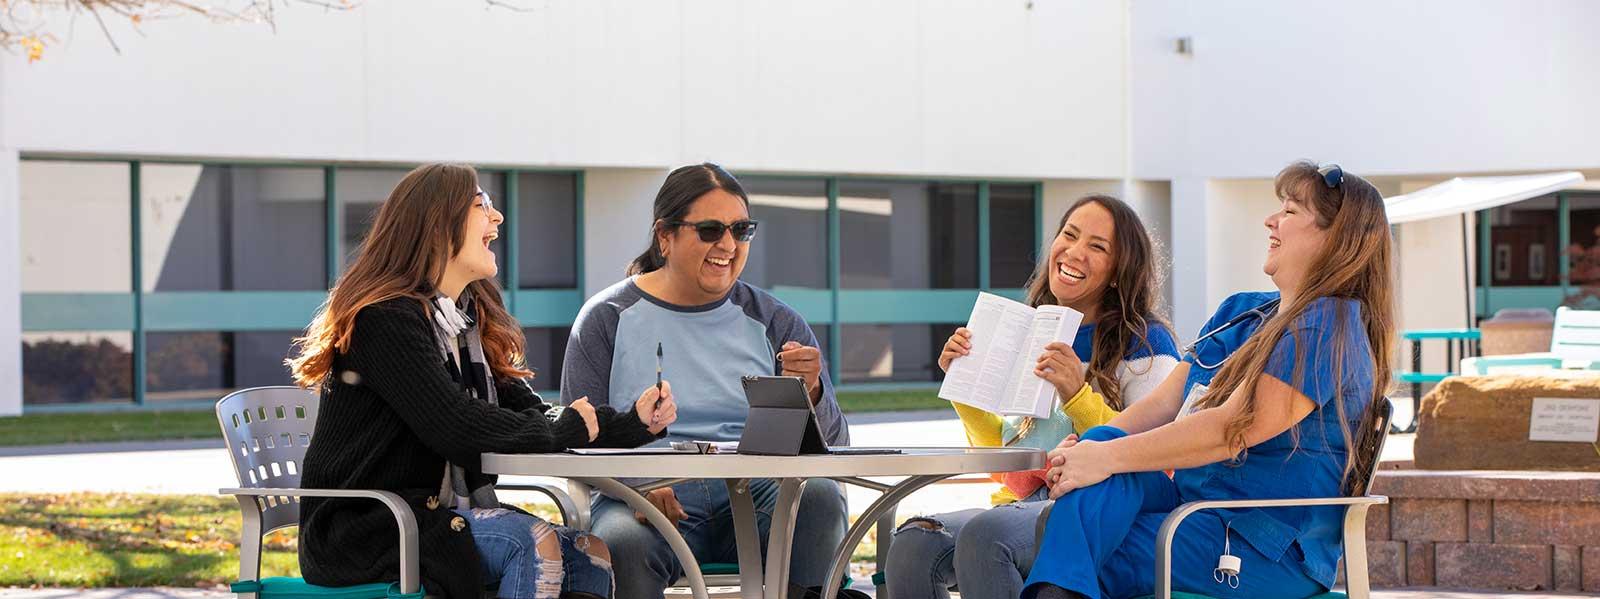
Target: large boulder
[(1481, 423)]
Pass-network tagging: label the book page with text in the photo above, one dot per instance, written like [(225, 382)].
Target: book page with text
[(1033, 396), (981, 378)]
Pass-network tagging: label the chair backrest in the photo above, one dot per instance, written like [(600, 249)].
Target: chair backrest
[(1369, 441), (268, 430), (1576, 335)]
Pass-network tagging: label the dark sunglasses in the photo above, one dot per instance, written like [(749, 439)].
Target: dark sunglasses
[(1332, 175), (711, 230)]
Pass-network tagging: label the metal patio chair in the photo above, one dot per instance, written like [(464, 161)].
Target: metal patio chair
[(267, 430)]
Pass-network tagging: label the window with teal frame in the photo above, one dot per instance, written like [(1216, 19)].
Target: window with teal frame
[(178, 282), (885, 269), (1542, 252)]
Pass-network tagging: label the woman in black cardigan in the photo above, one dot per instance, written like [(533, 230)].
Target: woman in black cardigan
[(421, 370)]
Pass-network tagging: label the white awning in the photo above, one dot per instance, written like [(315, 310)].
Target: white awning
[(1470, 194)]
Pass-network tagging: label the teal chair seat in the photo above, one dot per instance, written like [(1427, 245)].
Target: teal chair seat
[(283, 587), (718, 569)]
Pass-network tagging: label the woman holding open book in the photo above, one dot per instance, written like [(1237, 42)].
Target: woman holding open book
[(1277, 381), (1101, 264)]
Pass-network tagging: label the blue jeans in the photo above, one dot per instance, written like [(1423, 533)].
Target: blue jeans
[(646, 565), (530, 558), (984, 551)]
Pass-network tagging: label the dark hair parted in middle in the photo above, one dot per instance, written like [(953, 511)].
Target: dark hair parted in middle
[(682, 187), (1128, 306)]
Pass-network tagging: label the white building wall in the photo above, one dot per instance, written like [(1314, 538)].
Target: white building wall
[(1085, 96), (1033, 90), (1236, 240), (616, 220), (1190, 204), (1436, 86), (10, 262), (1153, 201), (1409, 90), (10, 278)]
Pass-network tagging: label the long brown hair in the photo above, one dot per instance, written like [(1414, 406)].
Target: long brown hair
[(415, 233), (1354, 263), (1127, 306)]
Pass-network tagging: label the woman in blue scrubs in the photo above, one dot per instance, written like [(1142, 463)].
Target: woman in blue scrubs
[(1262, 407)]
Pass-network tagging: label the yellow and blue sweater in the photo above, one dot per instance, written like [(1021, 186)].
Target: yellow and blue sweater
[(1141, 370)]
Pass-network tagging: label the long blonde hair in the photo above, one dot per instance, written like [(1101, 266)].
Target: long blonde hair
[(1355, 263), (1127, 306), (416, 231)]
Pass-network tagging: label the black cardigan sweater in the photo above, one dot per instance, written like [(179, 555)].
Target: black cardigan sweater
[(390, 417)]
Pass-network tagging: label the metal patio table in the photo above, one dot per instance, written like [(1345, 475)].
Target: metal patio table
[(920, 466)]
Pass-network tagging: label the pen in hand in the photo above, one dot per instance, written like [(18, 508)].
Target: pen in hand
[(655, 410)]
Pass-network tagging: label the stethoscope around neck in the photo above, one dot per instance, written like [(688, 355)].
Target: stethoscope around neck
[(1261, 313)]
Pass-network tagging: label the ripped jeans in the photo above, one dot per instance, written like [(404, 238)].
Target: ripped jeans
[(533, 559), (989, 550)]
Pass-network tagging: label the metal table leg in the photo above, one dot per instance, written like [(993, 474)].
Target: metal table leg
[(890, 499), (780, 537), (746, 537), (691, 566)]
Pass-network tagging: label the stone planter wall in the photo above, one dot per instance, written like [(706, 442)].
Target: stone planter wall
[(1486, 530)]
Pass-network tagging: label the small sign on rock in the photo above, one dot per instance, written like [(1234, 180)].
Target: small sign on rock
[(1562, 419)]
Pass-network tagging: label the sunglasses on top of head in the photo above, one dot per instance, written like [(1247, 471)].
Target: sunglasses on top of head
[(711, 230), (1332, 175)]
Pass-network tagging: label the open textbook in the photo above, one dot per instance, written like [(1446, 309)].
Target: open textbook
[(1007, 339)]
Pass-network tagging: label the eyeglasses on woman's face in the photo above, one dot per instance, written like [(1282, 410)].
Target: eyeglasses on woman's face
[(484, 200)]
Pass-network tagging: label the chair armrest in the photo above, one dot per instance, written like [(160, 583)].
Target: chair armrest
[(563, 501), (1195, 506), (1354, 524), (410, 572), (582, 495)]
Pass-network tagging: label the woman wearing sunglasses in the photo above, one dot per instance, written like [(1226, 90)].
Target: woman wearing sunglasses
[(684, 308), (421, 370), (1101, 263), (1277, 385)]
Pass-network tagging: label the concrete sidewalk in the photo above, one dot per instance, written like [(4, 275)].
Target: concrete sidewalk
[(168, 593), (201, 467)]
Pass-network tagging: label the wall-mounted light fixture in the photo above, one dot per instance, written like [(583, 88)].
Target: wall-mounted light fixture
[(1186, 46)]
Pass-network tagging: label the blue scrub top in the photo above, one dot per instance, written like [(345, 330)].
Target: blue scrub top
[(1276, 468)]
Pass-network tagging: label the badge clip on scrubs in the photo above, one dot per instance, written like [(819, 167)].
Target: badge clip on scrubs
[(1227, 571)]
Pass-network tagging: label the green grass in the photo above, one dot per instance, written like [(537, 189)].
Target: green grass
[(116, 540), (49, 429), (891, 401), (53, 429), (92, 540)]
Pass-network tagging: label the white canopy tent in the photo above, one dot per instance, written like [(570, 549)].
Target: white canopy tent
[(1464, 195)]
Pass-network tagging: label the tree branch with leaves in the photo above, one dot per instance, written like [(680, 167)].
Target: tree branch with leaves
[(29, 25)]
